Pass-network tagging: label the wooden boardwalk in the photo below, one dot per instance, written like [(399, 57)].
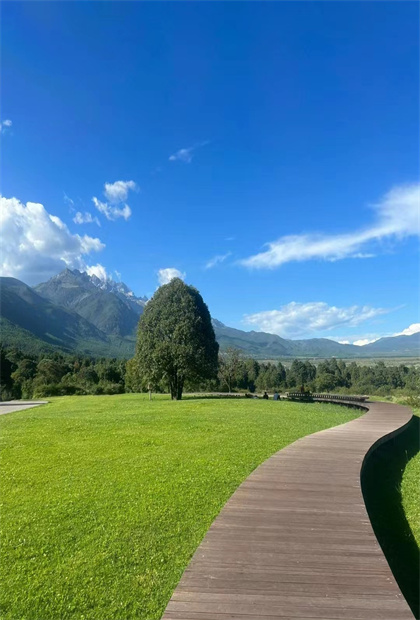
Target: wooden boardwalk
[(295, 541)]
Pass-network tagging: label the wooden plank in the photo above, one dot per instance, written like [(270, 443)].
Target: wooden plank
[(295, 541)]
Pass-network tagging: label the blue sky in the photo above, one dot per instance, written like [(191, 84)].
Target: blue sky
[(220, 128)]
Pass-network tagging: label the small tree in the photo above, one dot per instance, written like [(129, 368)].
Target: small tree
[(175, 339), (229, 365)]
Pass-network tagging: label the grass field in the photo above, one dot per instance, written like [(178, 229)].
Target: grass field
[(391, 487), (105, 499)]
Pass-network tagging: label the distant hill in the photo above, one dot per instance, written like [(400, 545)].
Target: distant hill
[(77, 312), (264, 345), (110, 306), (394, 345), (33, 323), (259, 344)]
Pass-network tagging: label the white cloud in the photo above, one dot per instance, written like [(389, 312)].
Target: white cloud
[(297, 319), (168, 274), (36, 244), (186, 155), (112, 212), (412, 329), (363, 341), (5, 125), (99, 271), (85, 218), (397, 215), (217, 260), (117, 192)]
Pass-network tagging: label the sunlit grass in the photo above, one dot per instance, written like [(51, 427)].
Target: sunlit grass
[(105, 499)]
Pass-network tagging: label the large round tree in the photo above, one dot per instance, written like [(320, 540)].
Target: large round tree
[(175, 338)]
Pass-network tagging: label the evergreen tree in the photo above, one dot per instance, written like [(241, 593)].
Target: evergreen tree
[(175, 339)]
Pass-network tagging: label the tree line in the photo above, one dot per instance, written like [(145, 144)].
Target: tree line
[(32, 376)]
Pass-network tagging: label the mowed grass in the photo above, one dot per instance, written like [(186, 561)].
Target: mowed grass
[(105, 499)]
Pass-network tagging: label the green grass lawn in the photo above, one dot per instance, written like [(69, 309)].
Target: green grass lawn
[(391, 488), (105, 499)]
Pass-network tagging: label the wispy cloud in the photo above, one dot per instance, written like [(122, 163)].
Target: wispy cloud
[(5, 125), (85, 218), (69, 201), (396, 216), (168, 274), (111, 212), (297, 319), (186, 155), (116, 194), (217, 260)]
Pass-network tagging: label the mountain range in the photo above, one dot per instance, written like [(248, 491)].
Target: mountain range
[(76, 312)]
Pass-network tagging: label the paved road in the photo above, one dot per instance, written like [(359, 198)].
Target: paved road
[(9, 406), (294, 541)]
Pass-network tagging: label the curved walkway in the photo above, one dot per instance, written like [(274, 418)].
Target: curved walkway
[(294, 541), (9, 406)]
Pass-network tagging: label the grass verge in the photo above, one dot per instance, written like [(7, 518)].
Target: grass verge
[(391, 488), (105, 499)]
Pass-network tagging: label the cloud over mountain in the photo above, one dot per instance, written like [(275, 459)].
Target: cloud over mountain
[(414, 328), (37, 244), (99, 271)]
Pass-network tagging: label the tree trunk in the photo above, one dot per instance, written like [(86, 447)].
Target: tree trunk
[(180, 387), (176, 386), (172, 389)]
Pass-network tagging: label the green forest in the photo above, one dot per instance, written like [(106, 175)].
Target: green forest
[(37, 376)]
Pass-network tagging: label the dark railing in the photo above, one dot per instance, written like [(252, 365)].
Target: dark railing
[(310, 395)]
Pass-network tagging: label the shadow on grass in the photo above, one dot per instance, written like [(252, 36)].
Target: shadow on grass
[(381, 482)]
